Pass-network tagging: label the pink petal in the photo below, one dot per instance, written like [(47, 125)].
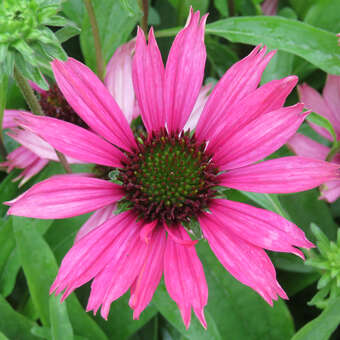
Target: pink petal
[(184, 278), (306, 147), (247, 263), (184, 71), (20, 158), (33, 143), (198, 108), (36, 87), (65, 196), (73, 140), (269, 97), (129, 254), (118, 79), (259, 138), (10, 118), (171, 230), (269, 7), (260, 227), (331, 94), (146, 230), (282, 175), (148, 81), (92, 101), (88, 257), (98, 217), (330, 191), (31, 171), (148, 279), (241, 79), (313, 101)]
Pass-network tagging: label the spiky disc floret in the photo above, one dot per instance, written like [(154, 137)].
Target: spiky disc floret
[(55, 105), (169, 178)]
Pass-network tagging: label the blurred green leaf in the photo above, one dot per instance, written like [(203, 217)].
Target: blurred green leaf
[(121, 324), (169, 310), (222, 7), (325, 14), (40, 269), (302, 6), (8, 191), (323, 122), (304, 208), (3, 337), (323, 326), (115, 24), (280, 66), (183, 6), (61, 327), (232, 305), (75, 10), (315, 45), (267, 201), (14, 325)]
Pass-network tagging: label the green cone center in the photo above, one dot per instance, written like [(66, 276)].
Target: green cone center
[(169, 178)]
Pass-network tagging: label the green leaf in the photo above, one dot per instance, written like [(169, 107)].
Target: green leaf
[(323, 326), (323, 122), (3, 337), (169, 310), (61, 327), (121, 324), (8, 191), (222, 7), (232, 305), (40, 269), (14, 325), (111, 35), (30, 72), (267, 201), (304, 208), (280, 66), (315, 45), (67, 33), (75, 10), (325, 14)]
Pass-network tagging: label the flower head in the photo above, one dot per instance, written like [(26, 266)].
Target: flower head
[(35, 153), (327, 105), (167, 176)]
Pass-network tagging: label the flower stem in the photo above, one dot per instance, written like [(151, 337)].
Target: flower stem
[(3, 95), (97, 45), (231, 8), (34, 105), (144, 22)]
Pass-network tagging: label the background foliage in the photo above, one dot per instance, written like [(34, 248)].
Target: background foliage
[(31, 250)]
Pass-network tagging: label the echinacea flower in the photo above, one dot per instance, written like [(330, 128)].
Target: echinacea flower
[(35, 153), (328, 106), (167, 177)]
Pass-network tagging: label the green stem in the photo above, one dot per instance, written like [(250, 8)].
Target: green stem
[(35, 107), (97, 45), (334, 150), (3, 94)]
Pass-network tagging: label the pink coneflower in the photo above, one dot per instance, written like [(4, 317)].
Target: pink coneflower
[(168, 177), (35, 153), (327, 105)]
